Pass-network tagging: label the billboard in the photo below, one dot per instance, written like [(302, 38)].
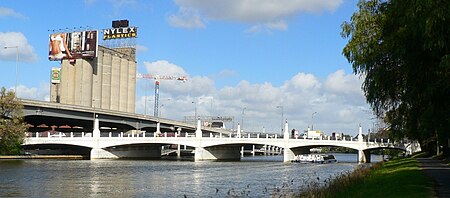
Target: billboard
[(73, 45), (56, 75), (118, 33)]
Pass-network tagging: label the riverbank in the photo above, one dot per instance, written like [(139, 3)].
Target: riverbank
[(9, 157), (396, 178)]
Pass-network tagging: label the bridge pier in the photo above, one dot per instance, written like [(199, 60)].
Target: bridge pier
[(363, 156), (217, 153), (98, 153), (288, 155), (132, 152)]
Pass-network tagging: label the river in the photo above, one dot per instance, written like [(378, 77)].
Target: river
[(259, 176)]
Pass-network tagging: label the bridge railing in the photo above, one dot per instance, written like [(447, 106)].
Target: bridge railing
[(144, 134)]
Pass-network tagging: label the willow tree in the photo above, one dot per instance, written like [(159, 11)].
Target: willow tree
[(402, 48), (12, 125)]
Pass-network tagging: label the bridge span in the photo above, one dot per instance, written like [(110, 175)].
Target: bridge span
[(213, 147), (41, 116)]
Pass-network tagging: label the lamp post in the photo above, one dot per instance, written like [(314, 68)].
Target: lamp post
[(242, 117), (17, 63), (161, 106), (282, 117), (160, 109), (312, 121), (195, 111)]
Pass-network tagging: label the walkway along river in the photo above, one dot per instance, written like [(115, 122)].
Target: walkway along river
[(258, 176)]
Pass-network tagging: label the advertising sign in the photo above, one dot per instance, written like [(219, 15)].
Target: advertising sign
[(118, 33), (56, 75), (73, 45)]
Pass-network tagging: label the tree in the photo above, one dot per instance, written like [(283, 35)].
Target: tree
[(402, 48), (12, 125)]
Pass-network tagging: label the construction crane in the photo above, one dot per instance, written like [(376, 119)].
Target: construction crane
[(157, 78)]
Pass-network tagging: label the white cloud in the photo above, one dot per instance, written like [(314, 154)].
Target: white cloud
[(141, 48), (164, 68), (186, 19), (264, 13), (194, 86), (303, 82), (34, 93), (12, 39), (339, 82), (267, 27), (7, 12), (337, 99)]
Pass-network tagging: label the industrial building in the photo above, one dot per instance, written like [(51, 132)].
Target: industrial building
[(107, 81)]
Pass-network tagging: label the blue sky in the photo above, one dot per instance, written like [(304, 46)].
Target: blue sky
[(252, 54)]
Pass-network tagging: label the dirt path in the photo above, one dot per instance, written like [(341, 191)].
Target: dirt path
[(440, 173)]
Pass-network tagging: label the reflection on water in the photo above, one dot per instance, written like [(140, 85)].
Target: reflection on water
[(254, 176)]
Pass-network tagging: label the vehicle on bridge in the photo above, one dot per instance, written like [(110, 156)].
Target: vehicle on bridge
[(218, 125)]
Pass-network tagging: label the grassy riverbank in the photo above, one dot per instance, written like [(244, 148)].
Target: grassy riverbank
[(395, 178)]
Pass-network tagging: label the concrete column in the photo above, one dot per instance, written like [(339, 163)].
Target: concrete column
[(178, 150), (115, 82), (149, 152), (98, 153), (131, 86), (253, 153), (242, 151), (97, 66), (363, 156), (106, 80), (360, 137), (123, 86), (198, 131), (86, 82), (238, 134), (288, 155), (158, 128), (96, 131), (217, 153), (286, 130)]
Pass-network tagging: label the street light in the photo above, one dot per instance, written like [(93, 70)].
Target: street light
[(160, 108), (193, 102), (312, 121), (282, 117), (17, 62), (242, 118)]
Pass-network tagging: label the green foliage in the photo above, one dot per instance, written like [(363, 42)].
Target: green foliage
[(12, 126), (396, 178), (402, 47)]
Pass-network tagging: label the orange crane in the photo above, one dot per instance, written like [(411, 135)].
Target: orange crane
[(157, 78)]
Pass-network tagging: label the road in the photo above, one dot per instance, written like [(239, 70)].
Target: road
[(439, 171)]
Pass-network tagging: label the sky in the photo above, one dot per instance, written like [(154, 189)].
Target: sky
[(260, 61)]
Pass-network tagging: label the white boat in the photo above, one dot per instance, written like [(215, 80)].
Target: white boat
[(314, 158)]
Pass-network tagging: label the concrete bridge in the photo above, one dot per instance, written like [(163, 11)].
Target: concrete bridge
[(215, 147), (42, 115)]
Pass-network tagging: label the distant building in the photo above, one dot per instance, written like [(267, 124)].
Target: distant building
[(105, 82)]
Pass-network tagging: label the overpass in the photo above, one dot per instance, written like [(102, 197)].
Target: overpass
[(48, 116), (212, 147)]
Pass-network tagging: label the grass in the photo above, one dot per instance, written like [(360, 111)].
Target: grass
[(395, 178)]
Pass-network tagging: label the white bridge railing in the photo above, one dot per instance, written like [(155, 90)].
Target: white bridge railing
[(127, 135)]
